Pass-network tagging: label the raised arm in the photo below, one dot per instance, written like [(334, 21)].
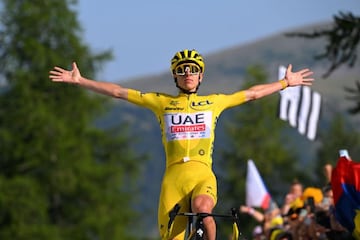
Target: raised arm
[(291, 79), (74, 77)]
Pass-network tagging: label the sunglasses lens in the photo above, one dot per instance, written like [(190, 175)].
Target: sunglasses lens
[(182, 69), (194, 69)]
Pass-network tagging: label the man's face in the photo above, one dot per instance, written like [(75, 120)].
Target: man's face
[(188, 76)]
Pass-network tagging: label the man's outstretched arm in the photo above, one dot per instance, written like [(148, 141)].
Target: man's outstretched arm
[(59, 74), (291, 79)]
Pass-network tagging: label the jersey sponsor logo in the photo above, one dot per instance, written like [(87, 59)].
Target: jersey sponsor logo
[(210, 191), (188, 123), (201, 152), (184, 119), (174, 107), (174, 103), (182, 126), (201, 105)]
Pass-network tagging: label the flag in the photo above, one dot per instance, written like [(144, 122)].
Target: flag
[(256, 193), (301, 106), (345, 183)]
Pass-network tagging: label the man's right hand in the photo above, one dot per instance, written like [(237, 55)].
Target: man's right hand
[(59, 74)]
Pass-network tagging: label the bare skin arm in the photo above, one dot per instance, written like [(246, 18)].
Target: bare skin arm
[(291, 79), (258, 216), (258, 91), (74, 77)]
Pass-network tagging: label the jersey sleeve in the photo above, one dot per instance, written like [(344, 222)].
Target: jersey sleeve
[(148, 100), (232, 100)]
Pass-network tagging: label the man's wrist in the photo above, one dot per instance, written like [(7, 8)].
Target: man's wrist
[(284, 83)]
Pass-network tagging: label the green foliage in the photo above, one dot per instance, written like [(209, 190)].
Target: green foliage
[(60, 176), (343, 41), (256, 134)]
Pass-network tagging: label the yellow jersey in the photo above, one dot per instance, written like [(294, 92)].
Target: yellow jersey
[(187, 121)]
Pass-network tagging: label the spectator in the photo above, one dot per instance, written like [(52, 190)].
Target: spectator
[(292, 199), (257, 215)]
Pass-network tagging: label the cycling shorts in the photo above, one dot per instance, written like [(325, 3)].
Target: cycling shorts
[(181, 183)]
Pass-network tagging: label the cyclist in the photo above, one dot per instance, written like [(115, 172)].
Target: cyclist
[(187, 122)]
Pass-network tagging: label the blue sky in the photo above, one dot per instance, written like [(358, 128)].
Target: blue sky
[(144, 35)]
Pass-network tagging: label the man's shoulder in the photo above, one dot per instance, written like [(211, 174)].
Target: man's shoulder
[(157, 94), (212, 95)]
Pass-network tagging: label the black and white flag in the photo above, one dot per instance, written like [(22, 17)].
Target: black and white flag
[(301, 107)]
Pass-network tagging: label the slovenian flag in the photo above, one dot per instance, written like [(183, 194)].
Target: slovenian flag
[(345, 183), (256, 193)]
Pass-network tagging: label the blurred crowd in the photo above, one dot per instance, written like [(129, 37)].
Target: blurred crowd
[(307, 213)]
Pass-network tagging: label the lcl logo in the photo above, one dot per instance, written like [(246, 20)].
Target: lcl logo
[(201, 103)]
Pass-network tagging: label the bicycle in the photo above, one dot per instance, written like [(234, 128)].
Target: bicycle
[(197, 232)]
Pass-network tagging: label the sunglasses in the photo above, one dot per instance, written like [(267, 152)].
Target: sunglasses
[(193, 69)]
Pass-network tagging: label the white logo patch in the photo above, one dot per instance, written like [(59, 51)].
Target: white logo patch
[(182, 126)]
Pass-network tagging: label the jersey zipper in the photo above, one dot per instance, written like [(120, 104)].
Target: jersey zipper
[(187, 157)]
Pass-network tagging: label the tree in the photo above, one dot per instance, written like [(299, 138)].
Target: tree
[(343, 39), (255, 133), (340, 135), (60, 176), (342, 47)]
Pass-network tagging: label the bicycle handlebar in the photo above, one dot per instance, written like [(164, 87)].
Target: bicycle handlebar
[(203, 215), (175, 212)]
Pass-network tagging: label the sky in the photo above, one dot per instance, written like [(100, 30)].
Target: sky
[(144, 35)]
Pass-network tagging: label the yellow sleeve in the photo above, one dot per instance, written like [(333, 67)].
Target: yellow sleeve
[(148, 100), (234, 99)]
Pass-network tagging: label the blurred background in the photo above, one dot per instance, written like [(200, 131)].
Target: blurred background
[(77, 165), (206, 26)]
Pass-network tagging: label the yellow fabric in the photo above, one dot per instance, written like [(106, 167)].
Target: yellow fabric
[(356, 232), (276, 221), (187, 122), (297, 203), (180, 184), (275, 233), (316, 193)]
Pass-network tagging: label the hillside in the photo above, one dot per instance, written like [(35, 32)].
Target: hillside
[(225, 73)]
